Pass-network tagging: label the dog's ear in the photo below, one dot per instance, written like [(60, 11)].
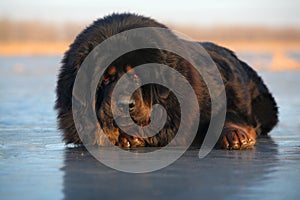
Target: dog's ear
[(155, 93)]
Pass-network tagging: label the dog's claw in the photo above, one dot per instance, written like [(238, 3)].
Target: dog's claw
[(236, 138)]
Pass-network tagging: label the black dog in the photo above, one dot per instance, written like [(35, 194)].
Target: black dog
[(251, 109)]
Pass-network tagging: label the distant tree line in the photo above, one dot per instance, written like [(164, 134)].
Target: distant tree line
[(17, 31)]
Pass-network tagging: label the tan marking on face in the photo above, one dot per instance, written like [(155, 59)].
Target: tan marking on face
[(128, 68), (112, 71)]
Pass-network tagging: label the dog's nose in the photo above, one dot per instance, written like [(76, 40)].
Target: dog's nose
[(122, 105)]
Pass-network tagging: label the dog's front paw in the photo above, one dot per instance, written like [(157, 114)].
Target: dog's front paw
[(237, 137)]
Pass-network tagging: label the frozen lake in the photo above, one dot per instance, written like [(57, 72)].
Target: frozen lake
[(35, 164)]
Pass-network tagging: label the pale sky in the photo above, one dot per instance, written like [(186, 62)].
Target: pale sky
[(199, 12)]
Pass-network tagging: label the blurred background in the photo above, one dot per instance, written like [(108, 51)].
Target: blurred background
[(264, 32)]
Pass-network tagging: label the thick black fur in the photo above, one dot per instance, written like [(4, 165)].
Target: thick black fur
[(249, 102)]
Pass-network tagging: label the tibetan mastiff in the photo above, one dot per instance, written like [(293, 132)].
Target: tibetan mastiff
[(251, 110)]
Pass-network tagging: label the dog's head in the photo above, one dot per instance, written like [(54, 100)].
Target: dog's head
[(139, 105)]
